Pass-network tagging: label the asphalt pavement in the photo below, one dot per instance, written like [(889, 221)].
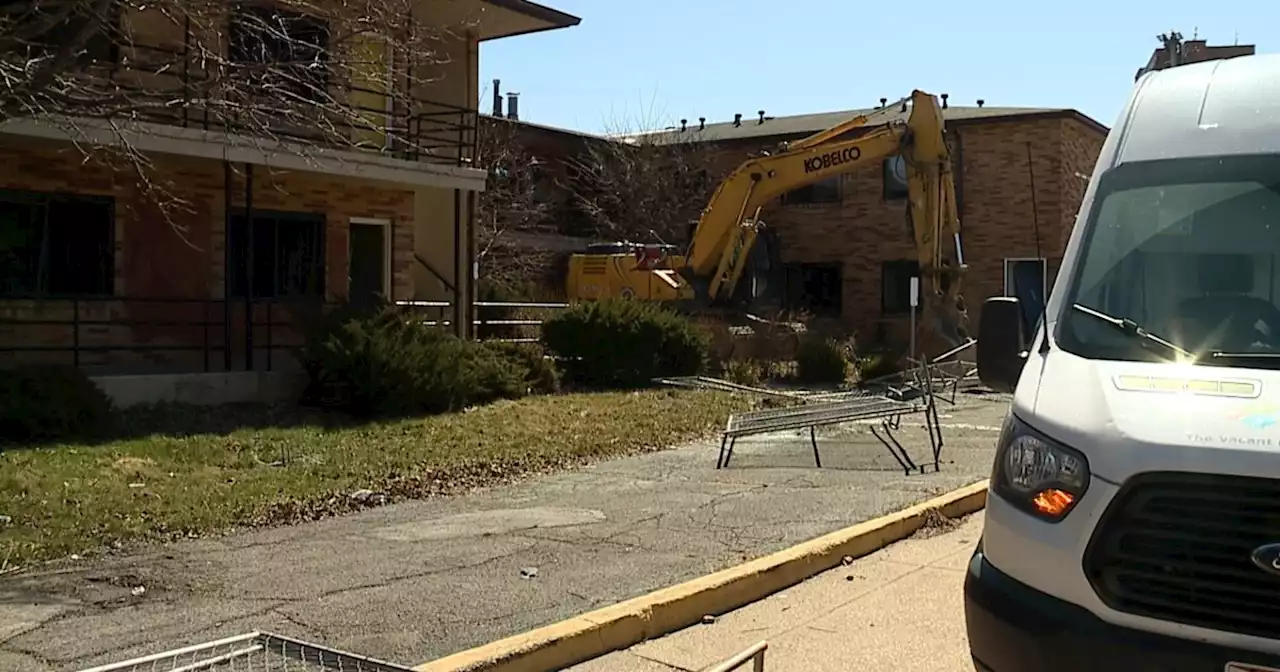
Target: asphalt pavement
[(415, 581)]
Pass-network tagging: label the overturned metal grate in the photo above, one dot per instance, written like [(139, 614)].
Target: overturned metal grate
[(252, 652)]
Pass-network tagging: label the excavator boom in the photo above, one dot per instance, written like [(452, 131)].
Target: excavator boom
[(720, 251)]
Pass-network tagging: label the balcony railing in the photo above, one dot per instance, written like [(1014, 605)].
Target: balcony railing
[(166, 85)]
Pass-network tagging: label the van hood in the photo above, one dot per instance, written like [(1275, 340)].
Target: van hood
[(1130, 417)]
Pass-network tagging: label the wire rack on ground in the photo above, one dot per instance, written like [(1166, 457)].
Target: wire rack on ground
[(252, 652)]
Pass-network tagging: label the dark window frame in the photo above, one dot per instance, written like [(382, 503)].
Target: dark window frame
[(250, 45), (102, 284), (888, 192), (100, 48), (823, 192), (279, 274), (800, 276), (895, 282)]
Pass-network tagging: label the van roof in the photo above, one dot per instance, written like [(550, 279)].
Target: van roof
[(1216, 108)]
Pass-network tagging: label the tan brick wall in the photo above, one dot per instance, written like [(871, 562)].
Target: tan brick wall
[(997, 216), (182, 256)]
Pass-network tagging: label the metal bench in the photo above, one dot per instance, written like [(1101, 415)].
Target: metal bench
[(888, 408)]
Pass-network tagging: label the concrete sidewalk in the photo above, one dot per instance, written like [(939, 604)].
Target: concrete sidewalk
[(900, 609)]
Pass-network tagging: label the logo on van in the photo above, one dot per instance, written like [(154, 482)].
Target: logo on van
[(1267, 558), (1259, 416)]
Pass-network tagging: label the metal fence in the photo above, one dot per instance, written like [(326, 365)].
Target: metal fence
[(137, 335), (253, 652)]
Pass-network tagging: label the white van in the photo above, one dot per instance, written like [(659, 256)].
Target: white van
[(1133, 519)]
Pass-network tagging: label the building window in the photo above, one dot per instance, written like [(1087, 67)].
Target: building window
[(816, 288), (288, 255), (47, 33), (1027, 280), (825, 191), (894, 171), (56, 245), (895, 286), (293, 46)]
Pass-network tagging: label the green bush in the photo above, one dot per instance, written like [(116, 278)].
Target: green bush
[(822, 361), (876, 365), (744, 371), (543, 376), (624, 343), (40, 403), (382, 363)]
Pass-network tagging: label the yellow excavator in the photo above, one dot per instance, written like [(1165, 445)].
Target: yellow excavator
[(731, 260)]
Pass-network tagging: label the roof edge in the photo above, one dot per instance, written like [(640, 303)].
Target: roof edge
[(554, 18)]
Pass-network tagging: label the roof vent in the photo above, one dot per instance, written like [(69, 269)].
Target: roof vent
[(981, 102), (904, 104), (761, 113), (945, 96), (883, 102), (702, 123), (737, 120), (684, 125)]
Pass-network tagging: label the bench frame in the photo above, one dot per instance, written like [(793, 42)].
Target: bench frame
[(887, 409)]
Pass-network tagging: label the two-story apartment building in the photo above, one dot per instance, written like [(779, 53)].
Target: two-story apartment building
[(274, 152), (846, 242)]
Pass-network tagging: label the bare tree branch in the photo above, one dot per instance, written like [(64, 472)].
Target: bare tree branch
[(644, 185), (329, 74)]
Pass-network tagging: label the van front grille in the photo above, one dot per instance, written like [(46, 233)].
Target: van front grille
[(1178, 547)]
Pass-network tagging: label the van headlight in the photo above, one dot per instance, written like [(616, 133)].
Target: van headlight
[(1036, 473)]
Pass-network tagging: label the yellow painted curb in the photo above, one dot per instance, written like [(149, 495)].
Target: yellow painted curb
[(613, 628)]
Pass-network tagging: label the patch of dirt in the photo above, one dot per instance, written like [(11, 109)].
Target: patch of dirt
[(936, 523)]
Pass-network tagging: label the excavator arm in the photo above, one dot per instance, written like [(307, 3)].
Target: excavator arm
[(729, 225)]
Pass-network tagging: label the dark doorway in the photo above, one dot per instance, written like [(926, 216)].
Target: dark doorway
[(368, 263)]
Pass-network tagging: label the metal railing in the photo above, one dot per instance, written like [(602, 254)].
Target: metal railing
[(523, 327), (753, 655), (167, 86), (113, 334), (130, 334)]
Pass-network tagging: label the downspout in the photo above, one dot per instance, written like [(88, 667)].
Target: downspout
[(248, 267), (472, 312), (957, 177), (460, 271), (227, 263)]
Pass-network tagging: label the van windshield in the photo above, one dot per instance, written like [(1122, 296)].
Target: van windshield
[(1187, 249)]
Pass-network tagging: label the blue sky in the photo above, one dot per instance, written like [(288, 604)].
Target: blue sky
[(634, 63)]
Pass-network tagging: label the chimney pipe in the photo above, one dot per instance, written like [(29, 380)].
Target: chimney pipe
[(702, 123), (497, 97), (945, 96), (883, 102), (981, 102), (737, 119), (513, 106), (761, 113), (684, 125)]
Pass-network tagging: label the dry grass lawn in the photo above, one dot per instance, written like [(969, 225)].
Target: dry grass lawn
[(198, 472)]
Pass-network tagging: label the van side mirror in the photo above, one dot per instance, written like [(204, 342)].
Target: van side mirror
[(1001, 343)]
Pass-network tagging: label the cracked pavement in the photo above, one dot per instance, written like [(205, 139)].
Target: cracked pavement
[(418, 580)]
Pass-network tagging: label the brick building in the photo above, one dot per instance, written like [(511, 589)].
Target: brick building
[(1175, 52), (95, 272), (846, 243)]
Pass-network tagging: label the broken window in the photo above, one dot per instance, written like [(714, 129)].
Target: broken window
[(816, 288), (895, 286)]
